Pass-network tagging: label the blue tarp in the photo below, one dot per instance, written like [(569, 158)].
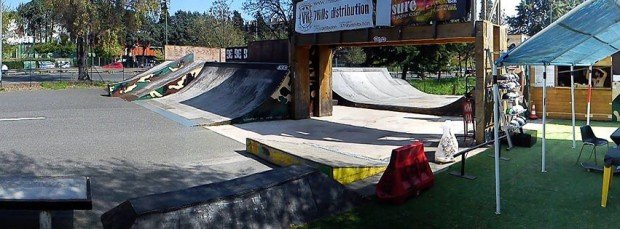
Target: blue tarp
[(585, 35)]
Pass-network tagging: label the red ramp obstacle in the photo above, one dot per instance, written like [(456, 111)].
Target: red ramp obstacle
[(407, 174)]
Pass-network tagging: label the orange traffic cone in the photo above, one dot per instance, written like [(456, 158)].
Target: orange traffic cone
[(533, 113)]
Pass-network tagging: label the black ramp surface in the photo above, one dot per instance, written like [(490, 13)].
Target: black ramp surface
[(228, 92), (277, 198), (374, 88)]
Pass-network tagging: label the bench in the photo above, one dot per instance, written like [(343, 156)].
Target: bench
[(45, 194)]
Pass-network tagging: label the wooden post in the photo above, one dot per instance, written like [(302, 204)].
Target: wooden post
[(301, 81), (484, 107), (325, 81)]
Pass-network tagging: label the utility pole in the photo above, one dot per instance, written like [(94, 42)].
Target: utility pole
[(164, 7)]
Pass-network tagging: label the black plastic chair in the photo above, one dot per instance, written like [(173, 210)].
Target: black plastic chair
[(588, 138)]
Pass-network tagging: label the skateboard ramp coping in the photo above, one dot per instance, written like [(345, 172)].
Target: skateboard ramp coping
[(277, 198)]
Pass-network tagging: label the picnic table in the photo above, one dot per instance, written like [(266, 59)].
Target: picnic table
[(45, 194)]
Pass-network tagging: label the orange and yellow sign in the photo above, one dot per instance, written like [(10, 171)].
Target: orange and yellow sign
[(408, 12)]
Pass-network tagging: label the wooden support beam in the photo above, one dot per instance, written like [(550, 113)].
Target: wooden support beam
[(325, 81), (483, 97), (301, 81), (500, 40), (392, 35)]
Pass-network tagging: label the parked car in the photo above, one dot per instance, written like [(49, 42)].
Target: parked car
[(64, 64), (5, 69), (46, 65)]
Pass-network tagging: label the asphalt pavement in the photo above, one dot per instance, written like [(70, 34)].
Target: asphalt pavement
[(127, 150), (47, 76)]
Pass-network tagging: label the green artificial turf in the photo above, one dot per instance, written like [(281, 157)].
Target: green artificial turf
[(566, 196)]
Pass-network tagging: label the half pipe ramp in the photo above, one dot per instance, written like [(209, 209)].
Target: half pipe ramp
[(374, 88), (225, 93)]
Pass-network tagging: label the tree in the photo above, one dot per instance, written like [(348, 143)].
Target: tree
[(223, 30), (99, 23), (279, 14), (182, 28), (534, 15), (34, 18), (237, 20)]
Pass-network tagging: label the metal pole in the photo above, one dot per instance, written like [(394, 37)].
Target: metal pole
[(166, 19), (572, 99), (589, 97), (544, 120), (1, 39), (496, 139)]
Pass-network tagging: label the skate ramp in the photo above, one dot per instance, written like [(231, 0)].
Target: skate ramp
[(167, 84), (143, 79), (374, 88), (226, 93), (277, 198)]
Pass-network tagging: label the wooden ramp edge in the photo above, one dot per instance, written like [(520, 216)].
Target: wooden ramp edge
[(343, 173)]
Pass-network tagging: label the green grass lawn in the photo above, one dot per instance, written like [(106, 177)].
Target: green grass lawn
[(61, 85), (445, 86), (566, 196)]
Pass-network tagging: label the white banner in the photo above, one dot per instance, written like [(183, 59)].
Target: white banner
[(538, 72), (319, 16)]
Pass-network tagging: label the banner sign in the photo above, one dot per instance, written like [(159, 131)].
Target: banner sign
[(538, 74), (236, 54), (412, 12), (319, 16)]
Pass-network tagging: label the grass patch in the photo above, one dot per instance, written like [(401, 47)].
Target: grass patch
[(61, 85), (566, 196), (445, 86)]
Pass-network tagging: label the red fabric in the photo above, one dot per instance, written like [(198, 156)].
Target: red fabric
[(115, 65), (468, 111), (407, 174)]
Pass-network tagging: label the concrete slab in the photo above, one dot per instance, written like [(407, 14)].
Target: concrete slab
[(351, 138)]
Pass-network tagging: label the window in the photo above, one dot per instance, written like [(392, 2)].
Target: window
[(601, 76)]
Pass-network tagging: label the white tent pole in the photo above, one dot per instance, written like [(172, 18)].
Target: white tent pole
[(544, 119), (589, 97), (572, 99), (496, 139)]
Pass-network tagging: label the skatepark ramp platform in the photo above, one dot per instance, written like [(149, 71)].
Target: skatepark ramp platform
[(143, 79), (340, 166), (277, 198), (227, 93), (167, 84), (374, 88)]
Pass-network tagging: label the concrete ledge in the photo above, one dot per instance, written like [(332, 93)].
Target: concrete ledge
[(277, 198), (341, 168)]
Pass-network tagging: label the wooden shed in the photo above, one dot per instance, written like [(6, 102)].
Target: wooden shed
[(559, 96)]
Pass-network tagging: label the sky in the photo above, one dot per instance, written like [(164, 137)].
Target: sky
[(203, 5)]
